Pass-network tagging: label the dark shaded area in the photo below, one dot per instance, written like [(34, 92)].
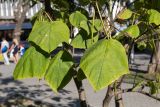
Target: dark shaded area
[(6, 81), (1, 63), (21, 95), (138, 70), (135, 68)]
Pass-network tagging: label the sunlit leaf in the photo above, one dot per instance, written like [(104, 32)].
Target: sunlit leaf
[(48, 35), (85, 25), (83, 41), (32, 64), (104, 63), (133, 31), (154, 16), (58, 69), (125, 14), (76, 18)]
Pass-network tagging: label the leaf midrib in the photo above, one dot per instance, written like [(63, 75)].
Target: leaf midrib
[(102, 63)]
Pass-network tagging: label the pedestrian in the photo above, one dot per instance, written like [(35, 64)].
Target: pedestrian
[(21, 49), (15, 47), (4, 50), (11, 57)]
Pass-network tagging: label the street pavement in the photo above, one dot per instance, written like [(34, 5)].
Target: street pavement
[(35, 92)]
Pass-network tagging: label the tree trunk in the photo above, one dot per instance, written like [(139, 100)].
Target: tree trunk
[(119, 100), (81, 92), (131, 52), (154, 65), (118, 97), (20, 15), (108, 96)]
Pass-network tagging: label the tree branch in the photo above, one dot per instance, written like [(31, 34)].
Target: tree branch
[(138, 91), (139, 38)]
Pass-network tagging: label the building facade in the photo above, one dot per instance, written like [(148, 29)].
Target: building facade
[(7, 23)]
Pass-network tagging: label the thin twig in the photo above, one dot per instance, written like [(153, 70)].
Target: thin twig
[(101, 18), (48, 16), (146, 31), (139, 91)]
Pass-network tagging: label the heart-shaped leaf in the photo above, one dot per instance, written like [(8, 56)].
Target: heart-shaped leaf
[(48, 35), (76, 18), (154, 16), (104, 63), (133, 31), (125, 14), (83, 41), (32, 64)]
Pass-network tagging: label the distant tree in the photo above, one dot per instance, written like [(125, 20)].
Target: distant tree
[(21, 7)]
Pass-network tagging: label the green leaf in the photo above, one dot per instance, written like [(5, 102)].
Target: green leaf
[(66, 79), (125, 14), (90, 42), (133, 31), (153, 88), (104, 63), (138, 85), (141, 45), (88, 26), (154, 16), (83, 41), (48, 35), (76, 18), (58, 69), (80, 40), (32, 64), (85, 25), (97, 24)]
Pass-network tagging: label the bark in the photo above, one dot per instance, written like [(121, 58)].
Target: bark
[(108, 96), (118, 97), (119, 100), (80, 89), (111, 92), (154, 65), (131, 52), (20, 15), (81, 93)]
